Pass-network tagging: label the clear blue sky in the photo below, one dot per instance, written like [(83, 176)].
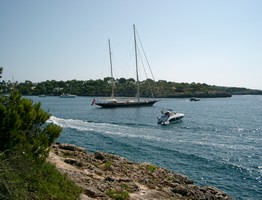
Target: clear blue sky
[(218, 42)]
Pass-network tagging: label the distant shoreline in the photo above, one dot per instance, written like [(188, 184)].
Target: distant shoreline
[(127, 88), (178, 96)]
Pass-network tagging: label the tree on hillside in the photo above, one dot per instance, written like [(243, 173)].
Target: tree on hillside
[(23, 125)]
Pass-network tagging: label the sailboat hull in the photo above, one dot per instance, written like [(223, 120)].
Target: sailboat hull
[(126, 104)]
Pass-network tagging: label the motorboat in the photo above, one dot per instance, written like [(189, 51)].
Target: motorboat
[(169, 116), (194, 99)]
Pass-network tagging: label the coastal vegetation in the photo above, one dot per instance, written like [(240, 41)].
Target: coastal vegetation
[(126, 88), (25, 140)]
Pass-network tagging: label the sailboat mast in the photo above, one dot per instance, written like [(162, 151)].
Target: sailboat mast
[(112, 77), (137, 78)]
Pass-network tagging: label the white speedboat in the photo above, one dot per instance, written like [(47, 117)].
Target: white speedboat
[(169, 116)]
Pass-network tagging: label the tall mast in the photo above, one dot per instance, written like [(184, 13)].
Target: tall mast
[(137, 78), (112, 77)]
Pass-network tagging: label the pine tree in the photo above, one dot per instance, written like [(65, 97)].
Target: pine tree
[(23, 126)]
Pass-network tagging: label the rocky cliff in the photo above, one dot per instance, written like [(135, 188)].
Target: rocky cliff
[(107, 176)]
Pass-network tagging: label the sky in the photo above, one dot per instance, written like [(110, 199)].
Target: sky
[(217, 42)]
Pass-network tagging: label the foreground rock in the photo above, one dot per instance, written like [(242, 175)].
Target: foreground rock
[(107, 176)]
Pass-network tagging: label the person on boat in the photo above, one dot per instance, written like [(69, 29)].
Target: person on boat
[(167, 113), (93, 102)]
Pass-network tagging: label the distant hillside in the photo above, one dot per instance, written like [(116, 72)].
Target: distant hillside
[(126, 88), (243, 91)]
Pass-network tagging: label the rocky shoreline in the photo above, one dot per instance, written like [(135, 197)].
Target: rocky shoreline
[(106, 176)]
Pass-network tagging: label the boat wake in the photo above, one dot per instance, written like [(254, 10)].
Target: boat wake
[(126, 130)]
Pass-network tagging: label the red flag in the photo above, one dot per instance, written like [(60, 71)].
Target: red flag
[(93, 102)]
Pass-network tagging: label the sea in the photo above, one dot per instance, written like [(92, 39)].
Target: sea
[(218, 143)]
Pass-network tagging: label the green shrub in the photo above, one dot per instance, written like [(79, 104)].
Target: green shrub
[(117, 194), (108, 164), (151, 168), (124, 186), (23, 125)]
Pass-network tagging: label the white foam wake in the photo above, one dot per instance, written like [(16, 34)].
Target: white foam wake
[(106, 128)]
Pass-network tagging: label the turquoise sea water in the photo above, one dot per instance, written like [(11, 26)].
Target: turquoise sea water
[(218, 143)]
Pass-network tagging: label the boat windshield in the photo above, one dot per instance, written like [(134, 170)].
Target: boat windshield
[(163, 118)]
